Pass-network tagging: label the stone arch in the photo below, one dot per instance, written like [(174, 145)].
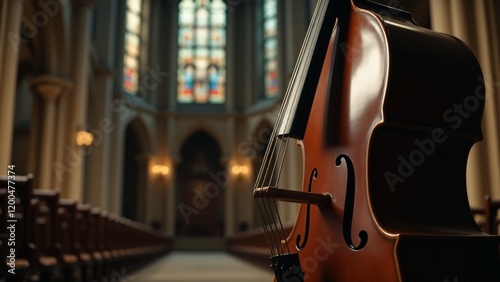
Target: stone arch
[(43, 29), (137, 150), (144, 136), (185, 135), (42, 48), (198, 189)]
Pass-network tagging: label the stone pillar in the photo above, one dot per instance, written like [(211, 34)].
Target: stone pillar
[(49, 88), (232, 63), (8, 72), (144, 188), (229, 198), (171, 202), (97, 185), (229, 207), (171, 54), (440, 19), (35, 134), (119, 111), (78, 102)]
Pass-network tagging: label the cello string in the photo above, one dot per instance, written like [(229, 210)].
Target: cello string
[(283, 152), (267, 211), (268, 158), (263, 214), (264, 227), (279, 221)]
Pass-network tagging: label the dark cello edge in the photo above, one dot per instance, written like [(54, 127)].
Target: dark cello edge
[(395, 13)]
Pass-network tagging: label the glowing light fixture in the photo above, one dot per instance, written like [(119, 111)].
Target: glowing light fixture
[(161, 170), (84, 138), (239, 169)]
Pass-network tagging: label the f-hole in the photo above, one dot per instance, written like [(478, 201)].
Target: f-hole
[(298, 245), (349, 206)]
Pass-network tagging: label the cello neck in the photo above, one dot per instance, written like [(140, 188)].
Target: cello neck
[(300, 92)]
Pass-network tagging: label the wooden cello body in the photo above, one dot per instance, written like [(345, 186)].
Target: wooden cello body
[(385, 139)]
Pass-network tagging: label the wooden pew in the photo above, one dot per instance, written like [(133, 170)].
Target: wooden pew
[(104, 245), (84, 247), (67, 237), (113, 243), (25, 263), (48, 252), (61, 240), (95, 243)]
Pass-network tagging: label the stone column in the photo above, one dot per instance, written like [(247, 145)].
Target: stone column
[(229, 198), (232, 63), (144, 188), (171, 54), (8, 72), (97, 184), (50, 89), (440, 19), (171, 202), (116, 152), (78, 102), (229, 206)]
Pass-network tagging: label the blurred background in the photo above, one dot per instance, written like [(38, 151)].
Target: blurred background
[(159, 111)]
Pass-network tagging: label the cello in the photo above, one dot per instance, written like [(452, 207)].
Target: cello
[(384, 113)]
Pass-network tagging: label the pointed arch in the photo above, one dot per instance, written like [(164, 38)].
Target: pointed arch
[(143, 135), (137, 151), (198, 189)]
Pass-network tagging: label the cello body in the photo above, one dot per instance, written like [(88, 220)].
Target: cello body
[(387, 137)]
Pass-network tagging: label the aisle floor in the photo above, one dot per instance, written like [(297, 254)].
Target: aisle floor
[(200, 266)]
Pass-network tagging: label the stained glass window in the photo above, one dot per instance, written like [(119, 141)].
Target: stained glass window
[(202, 52), (270, 25), (132, 46)]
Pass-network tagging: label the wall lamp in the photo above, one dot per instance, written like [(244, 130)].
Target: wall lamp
[(84, 138), (239, 169), (161, 170)]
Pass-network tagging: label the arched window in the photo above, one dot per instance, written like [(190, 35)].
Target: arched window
[(201, 73), (132, 46), (270, 25)]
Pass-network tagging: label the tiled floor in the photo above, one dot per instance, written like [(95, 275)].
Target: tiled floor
[(200, 266)]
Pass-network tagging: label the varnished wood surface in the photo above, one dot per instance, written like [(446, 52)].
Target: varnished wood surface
[(390, 97)]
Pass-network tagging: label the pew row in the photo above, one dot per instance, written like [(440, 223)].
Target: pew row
[(46, 238), (251, 245)]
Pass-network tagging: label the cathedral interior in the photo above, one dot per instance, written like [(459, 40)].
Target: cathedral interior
[(159, 112)]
